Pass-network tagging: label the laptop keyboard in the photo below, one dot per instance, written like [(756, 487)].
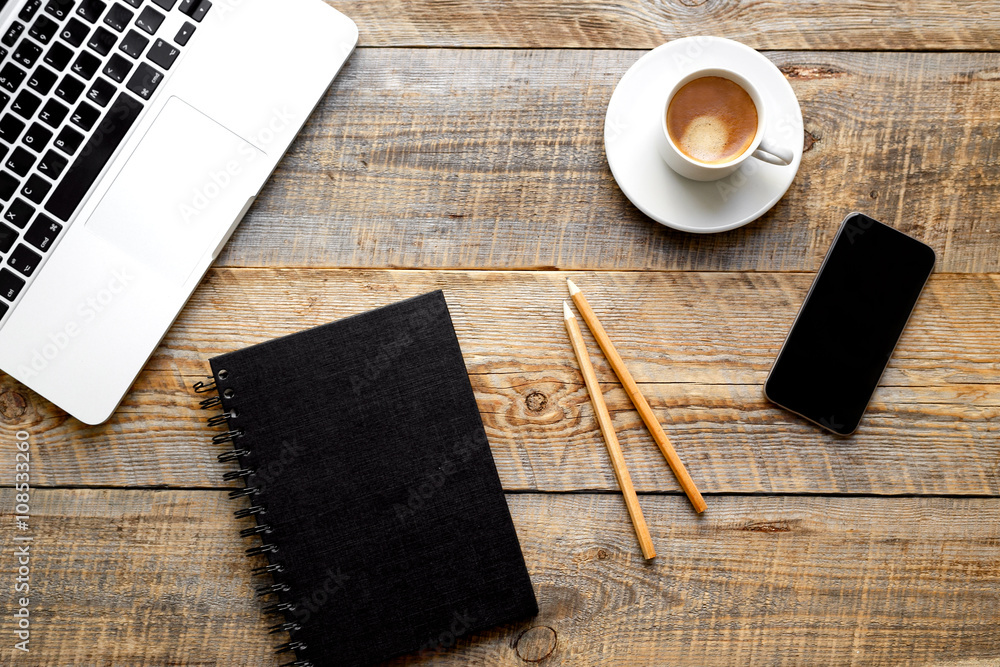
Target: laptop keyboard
[(74, 77)]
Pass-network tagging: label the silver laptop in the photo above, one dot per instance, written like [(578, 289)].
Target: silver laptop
[(134, 136)]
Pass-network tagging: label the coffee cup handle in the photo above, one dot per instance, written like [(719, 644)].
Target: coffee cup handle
[(772, 154)]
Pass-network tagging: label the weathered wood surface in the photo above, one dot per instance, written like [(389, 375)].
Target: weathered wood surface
[(699, 344), (431, 158), (640, 24), (143, 577)]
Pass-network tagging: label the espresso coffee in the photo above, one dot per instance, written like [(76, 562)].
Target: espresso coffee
[(712, 120)]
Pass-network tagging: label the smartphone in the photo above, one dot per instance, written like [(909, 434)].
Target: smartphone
[(848, 326)]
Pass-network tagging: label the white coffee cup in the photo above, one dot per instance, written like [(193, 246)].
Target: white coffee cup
[(760, 148)]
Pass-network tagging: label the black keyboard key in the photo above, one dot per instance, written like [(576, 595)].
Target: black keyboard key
[(163, 54), (10, 284), (59, 8), (8, 185), (117, 68), (36, 188), (69, 140), (118, 17), (86, 65), (134, 43), (7, 238), (20, 162), (184, 34), (150, 20), (24, 259), (42, 80), (37, 137), (134, 3), (196, 9), (75, 32), (85, 116), (10, 128), (52, 165), (19, 213), (82, 174), (101, 92), (91, 10), (26, 104), (145, 80), (15, 30), (58, 56), (11, 76), (43, 232), (70, 89), (4, 149), (43, 29), (27, 53), (166, 4), (53, 113), (4, 99), (102, 41), (29, 10), (3, 309)]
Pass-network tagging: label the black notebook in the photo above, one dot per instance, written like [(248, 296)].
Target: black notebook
[(369, 480)]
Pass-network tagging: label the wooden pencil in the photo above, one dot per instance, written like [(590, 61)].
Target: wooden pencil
[(610, 439), (638, 400)]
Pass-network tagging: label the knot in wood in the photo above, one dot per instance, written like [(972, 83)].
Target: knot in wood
[(536, 401), (536, 644), (12, 405)]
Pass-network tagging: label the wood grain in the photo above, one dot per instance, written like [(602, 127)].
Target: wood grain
[(440, 158), (145, 577), (699, 345), (774, 24)]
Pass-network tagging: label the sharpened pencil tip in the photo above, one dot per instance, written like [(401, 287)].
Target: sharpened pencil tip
[(567, 313), (573, 289)]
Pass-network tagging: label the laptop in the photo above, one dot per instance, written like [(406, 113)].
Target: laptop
[(134, 136)]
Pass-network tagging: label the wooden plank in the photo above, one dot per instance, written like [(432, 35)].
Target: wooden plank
[(699, 344), (429, 158), (158, 577), (777, 24)]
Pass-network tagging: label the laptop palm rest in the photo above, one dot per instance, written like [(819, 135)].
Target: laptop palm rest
[(180, 192)]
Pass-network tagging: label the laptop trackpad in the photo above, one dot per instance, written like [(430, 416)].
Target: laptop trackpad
[(178, 194)]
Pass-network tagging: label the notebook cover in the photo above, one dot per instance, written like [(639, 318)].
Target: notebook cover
[(378, 482)]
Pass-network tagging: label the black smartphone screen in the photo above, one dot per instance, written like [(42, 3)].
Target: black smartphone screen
[(848, 326)]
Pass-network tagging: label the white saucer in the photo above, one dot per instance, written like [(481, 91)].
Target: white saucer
[(657, 190)]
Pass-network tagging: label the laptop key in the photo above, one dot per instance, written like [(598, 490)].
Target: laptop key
[(43, 232), (3, 309), (43, 29), (7, 238), (27, 52), (26, 104), (150, 20), (101, 92), (24, 259), (11, 76), (118, 17), (69, 140), (42, 80), (134, 43), (37, 137), (165, 4), (59, 8), (81, 175), (86, 65), (184, 34), (134, 3), (85, 116), (4, 99), (91, 10), (70, 89), (117, 68), (19, 213), (75, 32), (20, 162), (145, 81), (13, 32), (52, 165), (102, 41), (29, 10), (163, 53), (8, 185), (10, 128), (36, 188), (58, 56), (10, 284), (196, 9), (53, 113)]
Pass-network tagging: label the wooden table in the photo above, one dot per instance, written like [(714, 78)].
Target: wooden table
[(462, 148)]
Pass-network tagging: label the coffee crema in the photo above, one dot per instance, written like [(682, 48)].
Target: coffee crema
[(712, 120)]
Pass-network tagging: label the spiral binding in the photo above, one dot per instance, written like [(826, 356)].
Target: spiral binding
[(257, 510)]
